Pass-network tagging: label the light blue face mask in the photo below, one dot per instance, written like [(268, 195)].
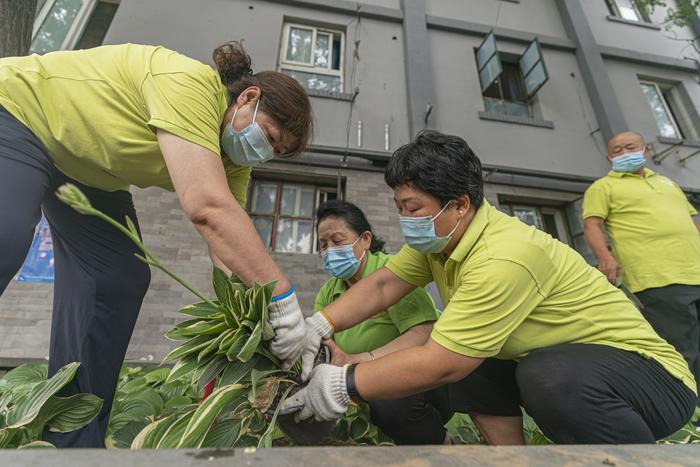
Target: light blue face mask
[(629, 162), (248, 147), (420, 235), (340, 261)]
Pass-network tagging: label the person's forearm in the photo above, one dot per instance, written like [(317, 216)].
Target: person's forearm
[(416, 336), (593, 233), (232, 239), (218, 263), (408, 372), (365, 299)]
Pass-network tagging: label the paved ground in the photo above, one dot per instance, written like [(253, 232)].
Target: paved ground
[(666, 456)]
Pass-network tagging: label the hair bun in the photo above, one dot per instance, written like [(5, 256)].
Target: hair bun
[(232, 62)]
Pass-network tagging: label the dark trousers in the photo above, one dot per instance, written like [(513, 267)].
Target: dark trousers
[(414, 420), (99, 284), (674, 312), (584, 394)]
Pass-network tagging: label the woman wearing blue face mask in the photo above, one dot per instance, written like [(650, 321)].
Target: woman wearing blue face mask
[(111, 117), (351, 251)]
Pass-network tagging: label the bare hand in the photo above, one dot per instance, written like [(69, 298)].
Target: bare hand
[(339, 357), (611, 268)]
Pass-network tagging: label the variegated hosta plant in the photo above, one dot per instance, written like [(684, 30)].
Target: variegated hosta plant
[(225, 340), (28, 404)]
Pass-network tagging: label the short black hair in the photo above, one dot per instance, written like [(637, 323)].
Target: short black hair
[(353, 216), (441, 165)]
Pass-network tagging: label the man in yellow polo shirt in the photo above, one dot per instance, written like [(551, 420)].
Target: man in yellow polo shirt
[(590, 368), (655, 243)]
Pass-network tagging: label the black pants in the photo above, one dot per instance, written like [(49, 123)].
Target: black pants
[(584, 394), (417, 419), (674, 312), (99, 284)]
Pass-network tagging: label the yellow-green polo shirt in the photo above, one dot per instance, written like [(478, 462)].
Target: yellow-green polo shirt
[(649, 223), (511, 289), (416, 308), (96, 111)]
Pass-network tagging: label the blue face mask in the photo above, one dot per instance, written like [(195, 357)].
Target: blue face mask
[(420, 235), (340, 261), (249, 146), (628, 162)]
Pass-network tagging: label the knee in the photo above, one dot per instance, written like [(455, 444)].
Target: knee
[(386, 414)]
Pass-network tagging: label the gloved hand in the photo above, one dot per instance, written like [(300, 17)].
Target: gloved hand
[(325, 397), (288, 323), (317, 329)]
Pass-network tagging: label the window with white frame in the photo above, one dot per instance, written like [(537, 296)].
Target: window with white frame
[(630, 10), (510, 81), (69, 24), (283, 213), (313, 55), (662, 108)]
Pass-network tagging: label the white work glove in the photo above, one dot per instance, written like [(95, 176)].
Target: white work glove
[(325, 397), (317, 329), (288, 323)]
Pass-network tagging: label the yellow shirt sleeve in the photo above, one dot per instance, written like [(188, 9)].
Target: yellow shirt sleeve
[(596, 201), (182, 98), (489, 305), (411, 266), (237, 177)]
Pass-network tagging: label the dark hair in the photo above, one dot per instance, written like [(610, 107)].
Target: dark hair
[(353, 217), (283, 98), (440, 165)]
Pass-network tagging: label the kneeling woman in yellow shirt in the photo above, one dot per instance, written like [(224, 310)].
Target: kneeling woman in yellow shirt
[(115, 116), (351, 251), (589, 368)]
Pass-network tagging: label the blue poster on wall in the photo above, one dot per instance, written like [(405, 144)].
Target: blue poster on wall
[(38, 266)]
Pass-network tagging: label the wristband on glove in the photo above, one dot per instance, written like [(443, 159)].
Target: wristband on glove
[(354, 394), (283, 296), (325, 315)]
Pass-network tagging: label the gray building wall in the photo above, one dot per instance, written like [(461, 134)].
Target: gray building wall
[(549, 161)]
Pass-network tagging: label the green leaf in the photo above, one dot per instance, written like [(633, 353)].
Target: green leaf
[(220, 283), (212, 370), (37, 444), (201, 310), (183, 368), (159, 375), (64, 414), (235, 371), (202, 328), (135, 385), (125, 436), (177, 402), (188, 347), (150, 396), (28, 407), (23, 374), (137, 409), (251, 344), (213, 345), (119, 420), (241, 339), (359, 428), (223, 434), (173, 389), (201, 422), (149, 436), (173, 435)]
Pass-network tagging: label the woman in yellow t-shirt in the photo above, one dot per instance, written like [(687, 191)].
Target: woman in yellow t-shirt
[(115, 116), (587, 367)]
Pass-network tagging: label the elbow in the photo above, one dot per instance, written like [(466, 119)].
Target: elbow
[(207, 212)]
